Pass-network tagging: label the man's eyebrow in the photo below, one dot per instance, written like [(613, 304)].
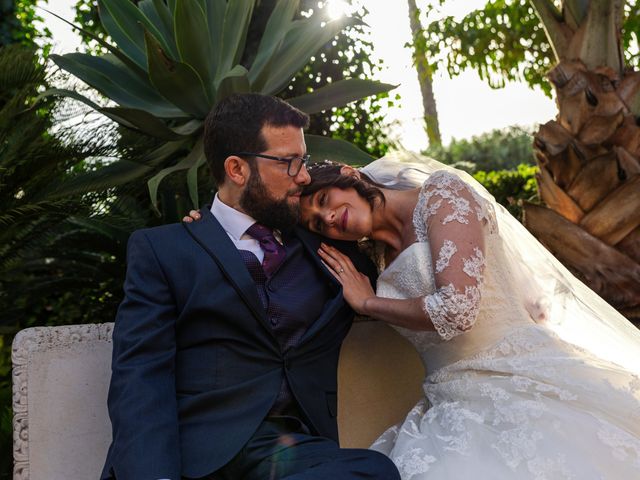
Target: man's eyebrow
[(296, 154)]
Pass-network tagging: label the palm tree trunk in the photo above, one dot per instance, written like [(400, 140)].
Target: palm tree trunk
[(425, 77), (589, 156)]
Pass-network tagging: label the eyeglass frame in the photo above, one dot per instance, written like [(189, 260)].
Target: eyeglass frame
[(305, 159)]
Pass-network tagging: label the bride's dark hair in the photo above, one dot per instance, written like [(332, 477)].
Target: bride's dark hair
[(327, 174)]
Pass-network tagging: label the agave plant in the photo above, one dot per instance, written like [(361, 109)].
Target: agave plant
[(174, 60), (589, 155)]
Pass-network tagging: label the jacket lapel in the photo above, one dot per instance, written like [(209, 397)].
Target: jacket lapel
[(312, 242), (210, 235)]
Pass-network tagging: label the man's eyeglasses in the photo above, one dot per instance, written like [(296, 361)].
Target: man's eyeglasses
[(295, 163)]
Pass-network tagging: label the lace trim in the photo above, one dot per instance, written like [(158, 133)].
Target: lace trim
[(413, 462), (444, 256), (474, 266), (447, 188), (624, 447), (451, 312)]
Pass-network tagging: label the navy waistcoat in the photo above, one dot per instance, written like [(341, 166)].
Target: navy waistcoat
[(293, 298)]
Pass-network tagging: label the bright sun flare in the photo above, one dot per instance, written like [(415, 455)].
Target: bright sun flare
[(337, 8)]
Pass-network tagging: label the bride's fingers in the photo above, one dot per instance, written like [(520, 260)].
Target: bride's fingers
[(331, 261), (332, 252), (193, 215)]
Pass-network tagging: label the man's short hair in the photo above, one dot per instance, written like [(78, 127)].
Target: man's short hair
[(235, 125)]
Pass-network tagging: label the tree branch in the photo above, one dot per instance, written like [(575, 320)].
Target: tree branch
[(601, 45), (425, 78), (554, 26), (618, 6), (575, 11)]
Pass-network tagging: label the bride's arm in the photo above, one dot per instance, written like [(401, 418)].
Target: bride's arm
[(359, 294), (407, 313), (455, 224)]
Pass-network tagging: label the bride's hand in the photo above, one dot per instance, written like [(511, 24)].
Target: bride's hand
[(193, 215), (356, 287)]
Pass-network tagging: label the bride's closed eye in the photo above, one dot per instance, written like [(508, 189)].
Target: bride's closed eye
[(318, 223)]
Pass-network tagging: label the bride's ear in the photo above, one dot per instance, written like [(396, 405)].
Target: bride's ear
[(350, 171)]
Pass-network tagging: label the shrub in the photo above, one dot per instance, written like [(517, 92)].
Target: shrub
[(510, 187), (496, 150)]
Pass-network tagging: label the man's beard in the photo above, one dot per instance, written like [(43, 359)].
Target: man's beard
[(256, 202)]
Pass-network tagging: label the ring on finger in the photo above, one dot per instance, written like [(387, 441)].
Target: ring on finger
[(341, 270)]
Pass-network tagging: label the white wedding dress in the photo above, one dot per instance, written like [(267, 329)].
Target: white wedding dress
[(505, 396)]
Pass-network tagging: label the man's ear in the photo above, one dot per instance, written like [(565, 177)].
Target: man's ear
[(237, 170), (349, 171)]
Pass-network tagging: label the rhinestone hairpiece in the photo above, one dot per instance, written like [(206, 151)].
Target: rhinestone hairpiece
[(323, 164)]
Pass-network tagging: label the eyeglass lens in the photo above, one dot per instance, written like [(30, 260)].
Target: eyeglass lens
[(295, 165)]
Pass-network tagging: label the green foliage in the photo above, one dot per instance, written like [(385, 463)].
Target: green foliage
[(496, 150), (348, 55), (505, 41), (501, 160), (510, 187), (630, 33), (173, 62), (62, 229), (19, 23), (60, 233)]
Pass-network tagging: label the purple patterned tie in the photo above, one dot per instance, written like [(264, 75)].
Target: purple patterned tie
[(274, 253)]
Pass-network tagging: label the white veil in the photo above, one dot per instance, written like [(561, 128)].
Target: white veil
[(551, 294)]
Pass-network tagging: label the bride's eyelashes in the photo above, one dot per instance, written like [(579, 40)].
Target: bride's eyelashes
[(318, 223)]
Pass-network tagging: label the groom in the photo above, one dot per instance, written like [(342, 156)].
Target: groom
[(226, 345)]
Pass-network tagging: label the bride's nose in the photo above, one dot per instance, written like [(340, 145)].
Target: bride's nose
[(329, 216)]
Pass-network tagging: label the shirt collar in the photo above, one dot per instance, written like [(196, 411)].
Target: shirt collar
[(234, 222)]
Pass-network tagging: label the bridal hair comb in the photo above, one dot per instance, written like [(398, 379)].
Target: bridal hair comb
[(323, 164)]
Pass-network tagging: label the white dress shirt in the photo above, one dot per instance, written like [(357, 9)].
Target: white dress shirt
[(235, 223)]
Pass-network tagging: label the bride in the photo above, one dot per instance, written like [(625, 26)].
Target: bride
[(530, 374)]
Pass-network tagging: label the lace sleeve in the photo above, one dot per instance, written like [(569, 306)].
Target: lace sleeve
[(453, 220)]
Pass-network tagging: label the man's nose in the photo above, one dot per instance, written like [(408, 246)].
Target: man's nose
[(303, 177)]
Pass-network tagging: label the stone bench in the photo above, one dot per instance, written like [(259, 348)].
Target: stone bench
[(61, 377)]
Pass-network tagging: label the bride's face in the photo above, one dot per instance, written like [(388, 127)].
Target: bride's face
[(336, 213)]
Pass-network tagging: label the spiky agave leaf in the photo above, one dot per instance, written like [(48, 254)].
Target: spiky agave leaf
[(175, 60)]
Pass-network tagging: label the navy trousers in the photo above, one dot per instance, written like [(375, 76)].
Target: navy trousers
[(283, 448)]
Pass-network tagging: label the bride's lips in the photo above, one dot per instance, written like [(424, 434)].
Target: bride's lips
[(343, 220)]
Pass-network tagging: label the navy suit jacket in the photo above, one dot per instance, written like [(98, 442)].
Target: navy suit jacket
[(196, 367)]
